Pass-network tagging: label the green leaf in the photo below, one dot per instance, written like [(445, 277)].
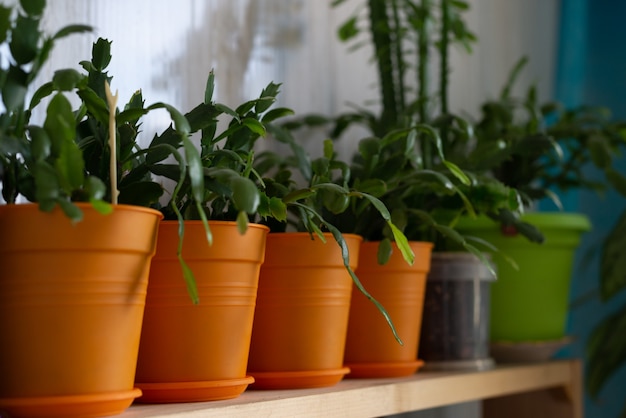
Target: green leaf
[(24, 43), (348, 29), (267, 98), (369, 147), (14, 88), (375, 187), (255, 126), (278, 209), (102, 207), (188, 276), (606, 351), (60, 123), (210, 88), (297, 195), (246, 107), (377, 203), (617, 180), (101, 54), (12, 145), (141, 193), (66, 80), (180, 122), (335, 202), (613, 262), (403, 244), (461, 5), (96, 105), (398, 236), (130, 116), (384, 251), (277, 113), (71, 167), (42, 92), (225, 109), (242, 222), (71, 29), (599, 151), (441, 178), (194, 169), (329, 150), (5, 22), (47, 186), (95, 188), (458, 173), (245, 194), (517, 68), (71, 210), (33, 7), (40, 149), (320, 166)]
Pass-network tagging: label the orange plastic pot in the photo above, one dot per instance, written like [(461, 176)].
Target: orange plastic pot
[(200, 352), (71, 304), (371, 349), (300, 323)]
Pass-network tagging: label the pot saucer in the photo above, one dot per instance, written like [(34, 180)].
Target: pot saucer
[(75, 406), (527, 351), (378, 370), (212, 390), (479, 365), (298, 379)]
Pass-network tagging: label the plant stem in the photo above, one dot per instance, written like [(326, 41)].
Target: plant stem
[(445, 29), (399, 57), (381, 37), (112, 102), (423, 42), (444, 73), (422, 61)]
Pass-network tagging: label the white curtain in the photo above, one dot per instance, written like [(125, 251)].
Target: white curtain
[(167, 48)]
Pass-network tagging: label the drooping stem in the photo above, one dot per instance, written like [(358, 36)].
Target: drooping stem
[(112, 102)]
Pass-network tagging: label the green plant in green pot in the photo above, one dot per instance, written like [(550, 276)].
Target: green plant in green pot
[(544, 150), (74, 264)]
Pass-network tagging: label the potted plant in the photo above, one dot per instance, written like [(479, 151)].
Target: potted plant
[(406, 161), (215, 330), (235, 197), (304, 299), (513, 143), (75, 265), (545, 151)]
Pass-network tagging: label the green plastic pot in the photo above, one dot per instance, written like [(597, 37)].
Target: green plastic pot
[(531, 303)]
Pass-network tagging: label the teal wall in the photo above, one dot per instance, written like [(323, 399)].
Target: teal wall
[(592, 70)]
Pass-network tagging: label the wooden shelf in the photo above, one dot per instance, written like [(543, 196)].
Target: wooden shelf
[(377, 397)]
